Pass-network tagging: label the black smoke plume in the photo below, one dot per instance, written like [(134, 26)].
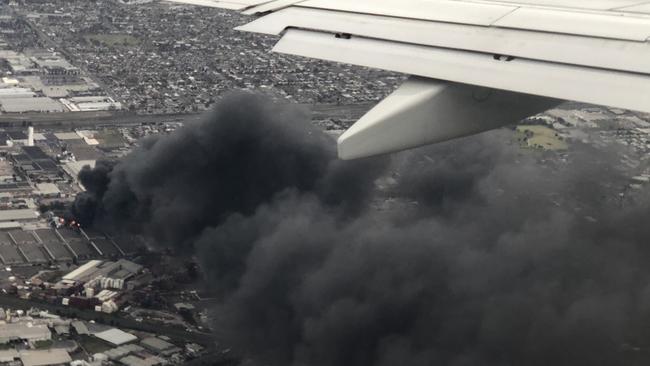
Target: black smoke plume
[(472, 252), (240, 156)]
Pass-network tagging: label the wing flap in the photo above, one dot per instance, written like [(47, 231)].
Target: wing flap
[(605, 25), (433, 10), (544, 46), (596, 86)]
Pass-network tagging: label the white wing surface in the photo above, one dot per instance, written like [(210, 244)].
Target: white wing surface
[(477, 65)]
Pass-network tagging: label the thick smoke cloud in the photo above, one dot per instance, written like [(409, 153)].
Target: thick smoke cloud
[(238, 157), (472, 252)]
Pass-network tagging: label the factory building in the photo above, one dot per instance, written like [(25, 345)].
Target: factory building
[(102, 284), (100, 272), (133, 360), (159, 346), (35, 163), (30, 104), (116, 337), (50, 64), (79, 273), (48, 357), (19, 215), (16, 93), (55, 70), (18, 63), (15, 138), (14, 332), (47, 190), (91, 104)]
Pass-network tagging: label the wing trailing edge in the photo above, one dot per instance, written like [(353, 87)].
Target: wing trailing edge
[(553, 80)]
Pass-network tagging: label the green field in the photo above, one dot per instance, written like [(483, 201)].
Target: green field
[(540, 137), (43, 344), (109, 138), (113, 40)]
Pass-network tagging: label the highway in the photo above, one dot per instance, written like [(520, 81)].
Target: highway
[(113, 118)]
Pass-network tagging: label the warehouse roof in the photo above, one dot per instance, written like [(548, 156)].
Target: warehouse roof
[(8, 355), (54, 356), (80, 327), (137, 361), (16, 135), (74, 167), (16, 93), (18, 214), (156, 344), (76, 274), (30, 104), (123, 351), (7, 225), (47, 188), (67, 136), (129, 266), (23, 331), (116, 336), (53, 62)]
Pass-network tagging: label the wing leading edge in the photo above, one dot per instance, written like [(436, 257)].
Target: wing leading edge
[(525, 57)]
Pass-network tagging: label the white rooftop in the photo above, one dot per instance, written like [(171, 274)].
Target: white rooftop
[(116, 336), (6, 225), (16, 92), (75, 274), (12, 331), (18, 214), (74, 167), (39, 136), (54, 356), (10, 81), (47, 188), (67, 136), (30, 104)]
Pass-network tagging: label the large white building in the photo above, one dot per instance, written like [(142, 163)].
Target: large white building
[(49, 357), (24, 332)]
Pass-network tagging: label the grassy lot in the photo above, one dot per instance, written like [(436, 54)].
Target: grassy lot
[(43, 344), (113, 40), (540, 137), (109, 138)]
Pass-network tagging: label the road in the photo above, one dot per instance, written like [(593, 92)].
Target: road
[(88, 119), (111, 118)]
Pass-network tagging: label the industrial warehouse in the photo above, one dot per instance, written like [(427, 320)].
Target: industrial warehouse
[(97, 284), (41, 81), (40, 338)]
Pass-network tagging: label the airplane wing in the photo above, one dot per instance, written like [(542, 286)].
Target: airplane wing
[(475, 64)]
